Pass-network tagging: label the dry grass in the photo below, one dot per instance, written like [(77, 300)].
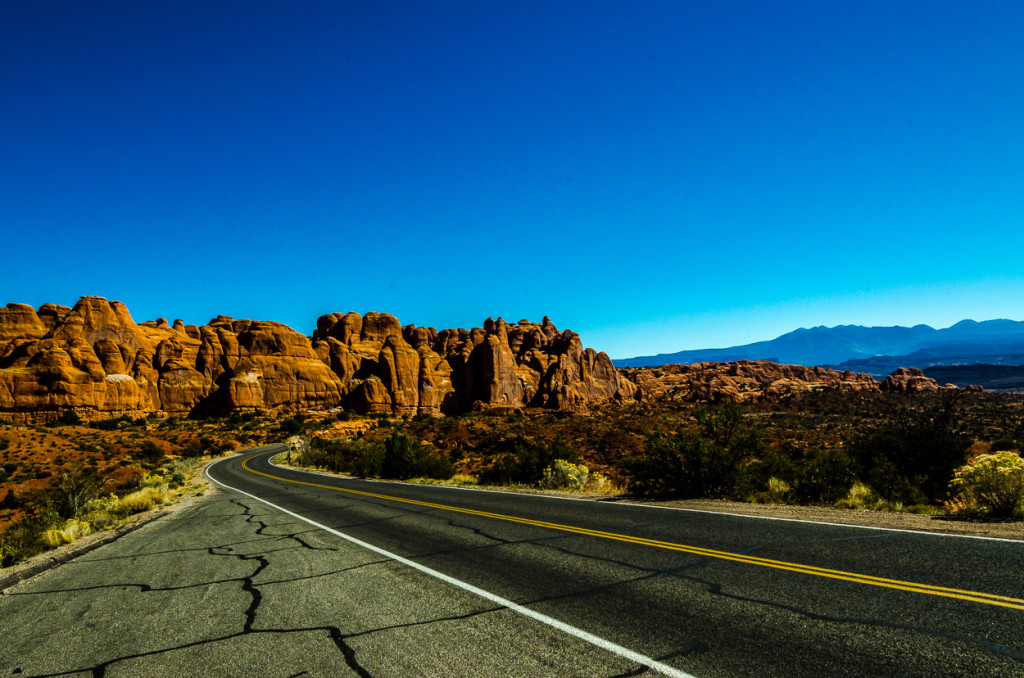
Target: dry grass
[(142, 500)]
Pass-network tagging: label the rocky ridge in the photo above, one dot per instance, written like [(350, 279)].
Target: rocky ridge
[(96, 360), (760, 380)]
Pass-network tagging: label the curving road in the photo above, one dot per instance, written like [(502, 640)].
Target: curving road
[(284, 573), (706, 594)]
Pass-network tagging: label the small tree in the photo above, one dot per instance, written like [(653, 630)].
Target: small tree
[(993, 483)]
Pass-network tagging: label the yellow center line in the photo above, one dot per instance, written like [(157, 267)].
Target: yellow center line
[(928, 589)]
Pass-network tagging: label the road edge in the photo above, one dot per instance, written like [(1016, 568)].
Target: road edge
[(74, 552)]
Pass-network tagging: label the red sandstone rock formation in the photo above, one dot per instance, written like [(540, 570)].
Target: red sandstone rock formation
[(95, 359), (910, 380), (742, 380)]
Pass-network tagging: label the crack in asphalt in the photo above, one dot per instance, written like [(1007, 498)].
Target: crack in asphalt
[(248, 585)]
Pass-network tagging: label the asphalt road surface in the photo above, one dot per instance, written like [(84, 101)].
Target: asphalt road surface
[(285, 573)]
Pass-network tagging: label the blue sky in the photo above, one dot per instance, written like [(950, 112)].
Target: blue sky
[(657, 176)]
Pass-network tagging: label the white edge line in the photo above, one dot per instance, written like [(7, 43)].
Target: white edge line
[(927, 533), (504, 602)]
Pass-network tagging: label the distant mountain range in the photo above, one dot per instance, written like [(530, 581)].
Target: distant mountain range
[(874, 350)]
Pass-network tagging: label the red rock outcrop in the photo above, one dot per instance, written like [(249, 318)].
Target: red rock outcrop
[(95, 359), (909, 380), (741, 380)]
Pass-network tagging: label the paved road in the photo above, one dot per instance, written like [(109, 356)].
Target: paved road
[(236, 587)]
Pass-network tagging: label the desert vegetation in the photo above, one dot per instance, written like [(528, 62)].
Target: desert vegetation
[(948, 452), (70, 478), (877, 451)]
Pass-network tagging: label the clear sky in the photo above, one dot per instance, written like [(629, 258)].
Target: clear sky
[(658, 176)]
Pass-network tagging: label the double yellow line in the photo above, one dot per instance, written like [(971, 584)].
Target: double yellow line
[(928, 589)]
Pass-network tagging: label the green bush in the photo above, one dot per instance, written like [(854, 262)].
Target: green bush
[(911, 458), (293, 425), (67, 418), (992, 484), (72, 491), (109, 424), (357, 457), (526, 462), (565, 474), (405, 457), (22, 540), (150, 452), (701, 463), (825, 477)]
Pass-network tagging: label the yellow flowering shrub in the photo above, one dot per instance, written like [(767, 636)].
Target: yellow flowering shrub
[(992, 484), (565, 474)]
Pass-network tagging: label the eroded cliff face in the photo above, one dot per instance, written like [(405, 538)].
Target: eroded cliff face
[(96, 360)]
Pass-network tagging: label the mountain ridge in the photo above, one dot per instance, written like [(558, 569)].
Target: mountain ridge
[(854, 347)]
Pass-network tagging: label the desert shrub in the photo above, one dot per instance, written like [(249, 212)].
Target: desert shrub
[(53, 538), (192, 451), (357, 457), (912, 457), (140, 500), (67, 418), (102, 513), (1003, 445), (293, 425), (11, 500), (236, 419), (405, 457), (109, 424), (860, 496), (101, 520), (150, 452), (526, 462), (826, 476), (686, 465), (701, 463), (992, 484), (159, 479), (778, 491), (169, 423), (22, 540), (73, 489), (781, 461), (70, 531), (565, 474), (365, 460)]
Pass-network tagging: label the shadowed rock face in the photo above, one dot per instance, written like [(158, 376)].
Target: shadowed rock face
[(95, 359)]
